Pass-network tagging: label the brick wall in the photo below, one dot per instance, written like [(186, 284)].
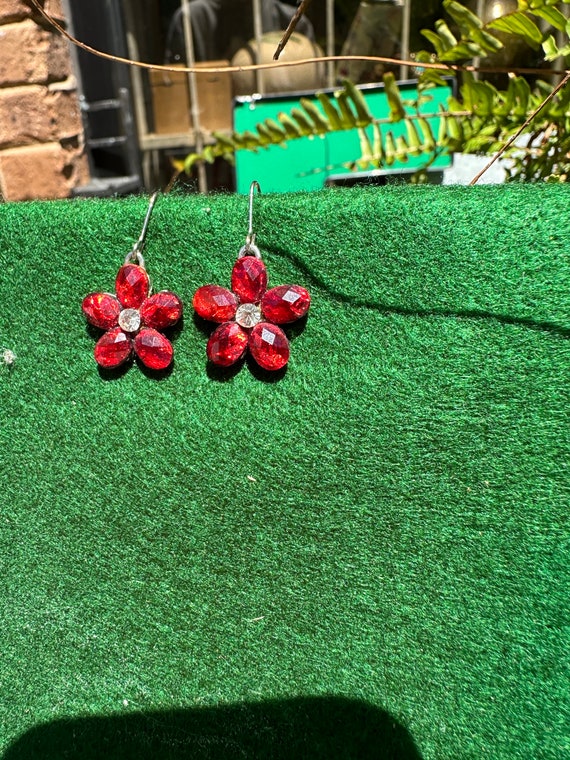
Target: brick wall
[(41, 134)]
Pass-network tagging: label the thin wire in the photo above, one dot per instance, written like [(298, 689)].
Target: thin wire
[(508, 144), (276, 64), (137, 249), (250, 240), (329, 58)]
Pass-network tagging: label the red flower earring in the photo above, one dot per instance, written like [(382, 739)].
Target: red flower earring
[(249, 313), (133, 318)]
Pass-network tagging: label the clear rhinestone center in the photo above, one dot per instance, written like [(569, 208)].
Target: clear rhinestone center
[(248, 315), (129, 320)]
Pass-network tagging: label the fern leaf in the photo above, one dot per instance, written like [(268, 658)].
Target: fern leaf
[(320, 122), (363, 115), (330, 111), (520, 24), (397, 111)]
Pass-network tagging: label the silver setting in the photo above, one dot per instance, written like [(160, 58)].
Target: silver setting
[(248, 315), (135, 256), (250, 249), (129, 320)]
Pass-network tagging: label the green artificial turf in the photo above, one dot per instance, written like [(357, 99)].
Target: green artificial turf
[(363, 557)]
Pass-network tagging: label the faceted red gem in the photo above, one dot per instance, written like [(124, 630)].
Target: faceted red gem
[(285, 304), (153, 349), (269, 346), (101, 310), (227, 344), (249, 279), (112, 349), (161, 310), (215, 303), (132, 285)]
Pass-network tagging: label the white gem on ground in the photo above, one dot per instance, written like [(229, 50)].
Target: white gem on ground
[(268, 336), (129, 320), (290, 296), (248, 315)]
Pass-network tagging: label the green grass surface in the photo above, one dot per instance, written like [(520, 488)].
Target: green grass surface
[(365, 557)]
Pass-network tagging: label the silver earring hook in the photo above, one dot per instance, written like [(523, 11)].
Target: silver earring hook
[(136, 252), (250, 247)]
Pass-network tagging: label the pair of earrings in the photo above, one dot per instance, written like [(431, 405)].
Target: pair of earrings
[(248, 315)]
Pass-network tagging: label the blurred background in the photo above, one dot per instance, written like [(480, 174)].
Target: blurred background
[(72, 123)]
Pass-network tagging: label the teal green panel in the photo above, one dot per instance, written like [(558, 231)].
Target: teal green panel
[(305, 164)]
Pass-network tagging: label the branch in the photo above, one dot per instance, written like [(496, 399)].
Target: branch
[(291, 28), (519, 132)]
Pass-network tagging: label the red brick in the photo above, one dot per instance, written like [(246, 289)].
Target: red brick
[(24, 116), (15, 10), (31, 55), (41, 171), (64, 113), (55, 9), (36, 114)]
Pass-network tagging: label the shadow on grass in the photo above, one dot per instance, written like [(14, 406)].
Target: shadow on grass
[(312, 728), (562, 331)]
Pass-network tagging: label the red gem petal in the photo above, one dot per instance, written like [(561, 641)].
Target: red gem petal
[(269, 346), (285, 303), (249, 279), (101, 310), (227, 344), (153, 349), (132, 285), (215, 303), (161, 310), (112, 349)]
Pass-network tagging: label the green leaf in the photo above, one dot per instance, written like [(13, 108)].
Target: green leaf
[(208, 154), (224, 140), (551, 52), (402, 149), (389, 149), (366, 150), (397, 111), (479, 95), (455, 132), (553, 16), (448, 40), (189, 162), (330, 111), (348, 117), (486, 41), (414, 141), (321, 124), (279, 133), (463, 17), (377, 147), (436, 41), (264, 134), (251, 141), (304, 124), (363, 115), (521, 25), (522, 95), (427, 134), (289, 125), (462, 51)]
